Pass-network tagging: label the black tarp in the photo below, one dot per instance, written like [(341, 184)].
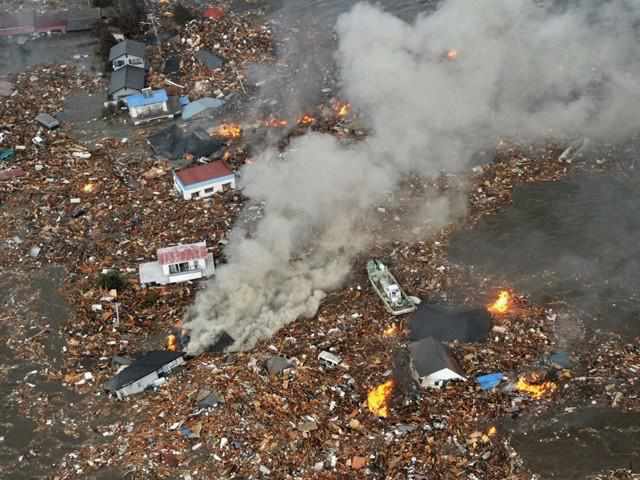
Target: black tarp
[(448, 323), (173, 142)]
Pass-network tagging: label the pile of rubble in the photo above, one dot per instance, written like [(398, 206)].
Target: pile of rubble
[(212, 55)]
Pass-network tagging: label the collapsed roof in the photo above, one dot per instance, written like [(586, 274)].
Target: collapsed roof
[(141, 367), (448, 323), (173, 142)]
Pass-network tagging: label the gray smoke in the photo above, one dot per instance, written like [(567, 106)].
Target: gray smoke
[(521, 70)]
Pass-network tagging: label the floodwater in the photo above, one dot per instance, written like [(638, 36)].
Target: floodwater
[(572, 446), (27, 450), (573, 241), (73, 48)]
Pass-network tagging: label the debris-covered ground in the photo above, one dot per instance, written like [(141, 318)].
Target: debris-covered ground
[(84, 211)]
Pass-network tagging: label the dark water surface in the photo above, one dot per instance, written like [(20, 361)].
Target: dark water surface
[(575, 240)]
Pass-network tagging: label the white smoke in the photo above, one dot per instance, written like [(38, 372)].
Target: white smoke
[(521, 70)]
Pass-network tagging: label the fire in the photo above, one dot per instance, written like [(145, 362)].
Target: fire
[(452, 54), (342, 109), (537, 391), (492, 431), (378, 398), (502, 304), (89, 188), (273, 122), (306, 120), (172, 343), (391, 331), (228, 130)]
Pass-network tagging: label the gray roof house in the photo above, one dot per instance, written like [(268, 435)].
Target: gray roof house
[(431, 363), (126, 81), (127, 53), (208, 59), (145, 372)]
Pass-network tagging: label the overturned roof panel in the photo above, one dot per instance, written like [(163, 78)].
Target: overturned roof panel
[(126, 47), (448, 323), (208, 59), (201, 105)]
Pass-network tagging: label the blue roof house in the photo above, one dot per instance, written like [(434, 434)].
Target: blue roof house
[(148, 105)]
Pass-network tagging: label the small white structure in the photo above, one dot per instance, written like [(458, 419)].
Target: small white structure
[(146, 372), (178, 264), (204, 180), (431, 363), (127, 53), (148, 105)]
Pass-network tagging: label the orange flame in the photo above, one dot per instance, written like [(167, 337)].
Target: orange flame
[(342, 109), (273, 122), (89, 188), (172, 343), (228, 130), (536, 391), (492, 431), (378, 399), (452, 54), (391, 331), (502, 304), (306, 120)]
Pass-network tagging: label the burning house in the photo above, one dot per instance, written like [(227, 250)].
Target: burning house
[(147, 371), (179, 263), (431, 363)]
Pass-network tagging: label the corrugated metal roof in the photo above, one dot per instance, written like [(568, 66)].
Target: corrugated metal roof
[(201, 105), (155, 96), (203, 173), (182, 253)]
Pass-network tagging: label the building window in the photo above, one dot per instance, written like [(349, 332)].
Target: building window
[(135, 61), (119, 63), (208, 190), (179, 268)]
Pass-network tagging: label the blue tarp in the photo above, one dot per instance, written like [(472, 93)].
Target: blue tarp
[(201, 105), (184, 101), (489, 381), (156, 96)]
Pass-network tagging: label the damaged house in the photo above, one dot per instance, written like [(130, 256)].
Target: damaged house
[(204, 180), (145, 372), (149, 105), (126, 81), (180, 263), (431, 364), (127, 53)]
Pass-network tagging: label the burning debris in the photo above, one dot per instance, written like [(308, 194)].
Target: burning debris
[(535, 385), (452, 54), (89, 188), (228, 130), (172, 343), (341, 108), (379, 397), (502, 304)]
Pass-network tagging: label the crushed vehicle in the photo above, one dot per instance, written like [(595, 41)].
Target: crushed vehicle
[(388, 289)]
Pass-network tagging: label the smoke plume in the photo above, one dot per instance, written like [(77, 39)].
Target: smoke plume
[(520, 69)]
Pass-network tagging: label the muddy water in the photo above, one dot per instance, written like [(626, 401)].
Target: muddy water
[(28, 448), (571, 446), (572, 241), (74, 48)]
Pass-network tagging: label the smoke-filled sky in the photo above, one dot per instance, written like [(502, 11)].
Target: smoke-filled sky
[(521, 70)]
